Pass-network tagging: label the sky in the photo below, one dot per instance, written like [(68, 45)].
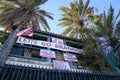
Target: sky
[(53, 5)]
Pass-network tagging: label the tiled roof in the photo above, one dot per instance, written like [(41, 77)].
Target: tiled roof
[(57, 35)]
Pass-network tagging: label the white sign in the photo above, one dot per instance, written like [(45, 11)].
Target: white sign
[(57, 41), (70, 57), (60, 64), (47, 53), (61, 47)]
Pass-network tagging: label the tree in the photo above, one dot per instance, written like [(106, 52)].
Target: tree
[(91, 57), (104, 37), (78, 19), (25, 12), (75, 18), (108, 27)]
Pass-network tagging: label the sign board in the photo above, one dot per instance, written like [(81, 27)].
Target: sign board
[(40, 43), (70, 57), (57, 41), (47, 53), (60, 64)]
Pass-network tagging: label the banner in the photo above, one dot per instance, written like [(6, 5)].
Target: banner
[(57, 41), (26, 32), (40, 43), (60, 64), (70, 57), (47, 53)]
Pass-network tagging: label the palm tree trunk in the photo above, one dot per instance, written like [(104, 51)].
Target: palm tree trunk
[(9, 44)]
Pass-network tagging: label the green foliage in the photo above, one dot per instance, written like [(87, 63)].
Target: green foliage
[(107, 25), (73, 18), (3, 38), (5, 6), (117, 30), (26, 13), (91, 56)]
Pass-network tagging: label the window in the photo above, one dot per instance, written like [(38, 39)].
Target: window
[(74, 44), (40, 37), (17, 51), (59, 55), (36, 54)]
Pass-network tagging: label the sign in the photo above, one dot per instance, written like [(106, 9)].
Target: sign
[(57, 41), (26, 32), (40, 43), (60, 64), (47, 53), (70, 57)]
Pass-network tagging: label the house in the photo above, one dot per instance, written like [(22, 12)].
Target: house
[(43, 49), (39, 55)]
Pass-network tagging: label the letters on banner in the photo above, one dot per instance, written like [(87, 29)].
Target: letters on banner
[(70, 57), (47, 53), (61, 47), (60, 64), (57, 41)]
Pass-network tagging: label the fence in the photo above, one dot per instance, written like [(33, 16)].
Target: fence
[(12, 72)]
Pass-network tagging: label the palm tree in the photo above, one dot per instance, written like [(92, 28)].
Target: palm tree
[(91, 57), (25, 13), (117, 30), (108, 27), (75, 18)]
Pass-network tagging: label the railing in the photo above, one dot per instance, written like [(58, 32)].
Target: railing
[(10, 72)]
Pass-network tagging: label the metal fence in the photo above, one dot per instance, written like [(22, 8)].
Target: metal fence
[(10, 72)]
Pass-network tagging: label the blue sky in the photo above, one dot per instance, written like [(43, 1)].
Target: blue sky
[(53, 5)]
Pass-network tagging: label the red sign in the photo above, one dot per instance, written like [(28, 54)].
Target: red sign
[(47, 53), (60, 64), (26, 32), (70, 57)]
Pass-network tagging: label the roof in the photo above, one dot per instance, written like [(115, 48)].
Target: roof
[(49, 33), (57, 35)]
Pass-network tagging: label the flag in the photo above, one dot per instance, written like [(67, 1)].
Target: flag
[(26, 32)]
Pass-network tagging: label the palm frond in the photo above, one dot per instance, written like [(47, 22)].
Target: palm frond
[(80, 8), (44, 13), (67, 30), (44, 23)]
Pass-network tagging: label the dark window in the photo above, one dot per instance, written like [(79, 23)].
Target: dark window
[(40, 37), (73, 44), (17, 51)]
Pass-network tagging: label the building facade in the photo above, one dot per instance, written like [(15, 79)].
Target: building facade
[(45, 49), (39, 55)]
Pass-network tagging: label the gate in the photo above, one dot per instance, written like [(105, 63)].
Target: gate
[(12, 72)]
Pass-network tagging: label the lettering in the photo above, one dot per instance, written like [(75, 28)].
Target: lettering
[(35, 42), (62, 47), (46, 44)]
